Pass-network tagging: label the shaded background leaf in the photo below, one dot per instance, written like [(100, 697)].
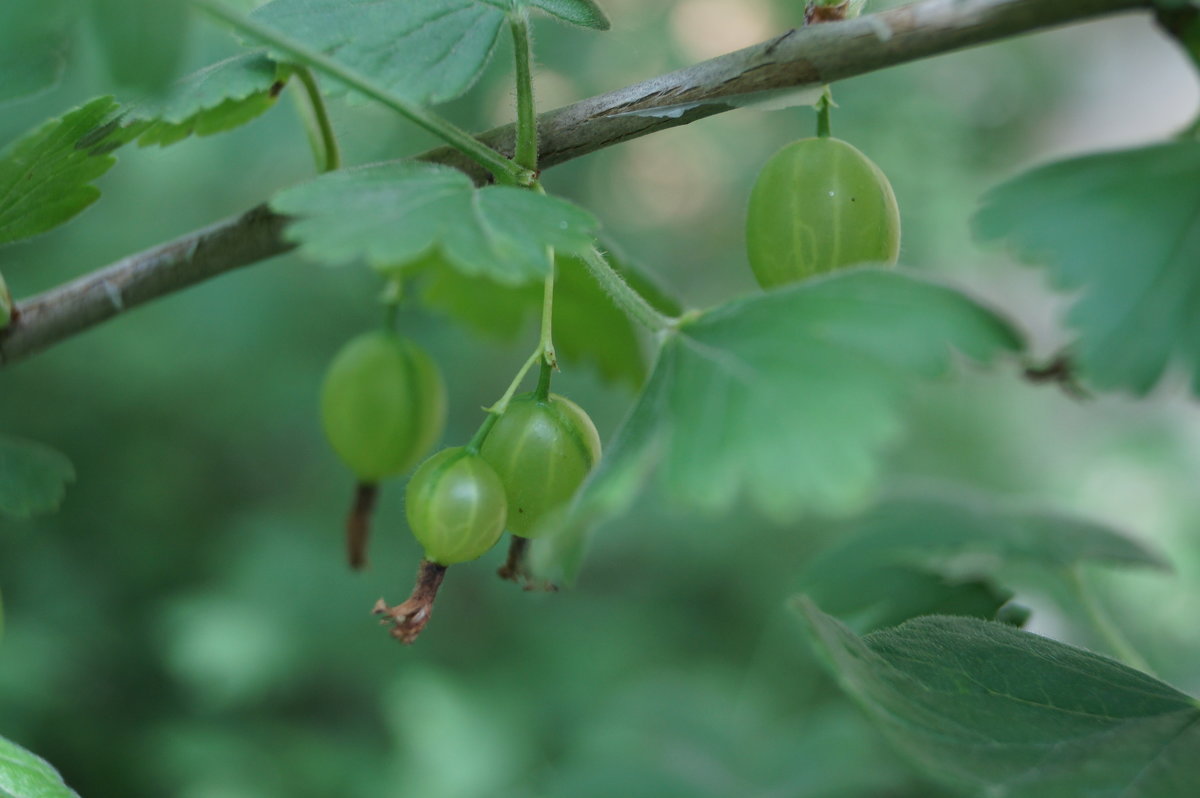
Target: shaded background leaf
[(1123, 229), (993, 709), (925, 552), (33, 477), (588, 328), (35, 39), (143, 41)]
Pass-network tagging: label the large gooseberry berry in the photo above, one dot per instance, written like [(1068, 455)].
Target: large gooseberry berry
[(542, 449), (456, 506), (819, 204), (383, 404)]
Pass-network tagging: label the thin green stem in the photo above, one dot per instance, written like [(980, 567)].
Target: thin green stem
[(502, 403), (1105, 626), (546, 337), (542, 391), (526, 153), (329, 145), (824, 130), (626, 298), (504, 169), (481, 434)]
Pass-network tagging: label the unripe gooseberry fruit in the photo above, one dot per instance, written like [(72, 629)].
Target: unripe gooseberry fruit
[(542, 450), (383, 404), (455, 506), (818, 205)]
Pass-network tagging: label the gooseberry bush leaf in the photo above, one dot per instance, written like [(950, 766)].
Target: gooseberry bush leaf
[(588, 328), (584, 13), (998, 711), (46, 175), (1122, 229), (397, 213), (25, 775), (426, 51), (217, 98), (925, 552), (33, 477), (783, 398)]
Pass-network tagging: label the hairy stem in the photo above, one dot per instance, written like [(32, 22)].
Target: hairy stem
[(329, 146), (623, 294), (526, 151), (502, 168)]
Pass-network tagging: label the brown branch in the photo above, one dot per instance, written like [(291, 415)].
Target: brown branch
[(810, 56)]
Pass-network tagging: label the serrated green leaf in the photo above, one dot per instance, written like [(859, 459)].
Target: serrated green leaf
[(26, 775), (46, 175), (35, 37), (33, 477), (578, 12), (921, 553), (427, 51), (212, 100), (396, 213), (1002, 712), (588, 327), (142, 40), (785, 398), (1122, 229)]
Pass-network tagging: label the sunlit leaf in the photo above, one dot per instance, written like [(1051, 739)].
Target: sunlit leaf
[(786, 398), (922, 553), (214, 99), (46, 175), (1123, 230), (1001, 712), (396, 213), (24, 775), (33, 477), (427, 51)]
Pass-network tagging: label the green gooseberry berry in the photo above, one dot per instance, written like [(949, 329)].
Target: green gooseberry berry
[(455, 506), (542, 449)]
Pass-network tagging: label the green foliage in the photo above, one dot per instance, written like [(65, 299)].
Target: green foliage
[(784, 398), (999, 711), (46, 175), (34, 40), (25, 775), (924, 553), (578, 12), (396, 213), (1122, 229), (142, 40), (214, 99), (588, 328), (33, 477), (426, 51)]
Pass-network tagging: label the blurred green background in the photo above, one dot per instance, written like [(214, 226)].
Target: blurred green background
[(185, 625)]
